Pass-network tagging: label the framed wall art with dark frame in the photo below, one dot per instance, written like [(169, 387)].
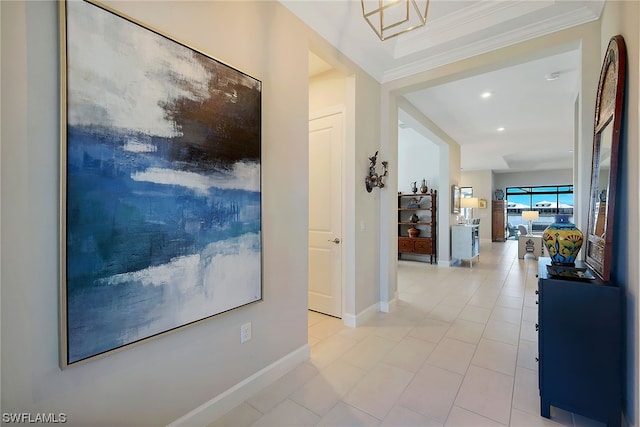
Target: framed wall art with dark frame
[(604, 167), (455, 199), (160, 184)]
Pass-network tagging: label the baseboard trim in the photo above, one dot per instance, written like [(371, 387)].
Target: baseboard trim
[(389, 306), (360, 318), (224, 402), (446, 263), (349, 320)]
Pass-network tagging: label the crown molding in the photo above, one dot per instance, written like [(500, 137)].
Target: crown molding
[(524, 33), (471, 19)]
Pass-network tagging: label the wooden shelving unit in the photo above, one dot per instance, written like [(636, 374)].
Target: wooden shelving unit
[(424, 206)]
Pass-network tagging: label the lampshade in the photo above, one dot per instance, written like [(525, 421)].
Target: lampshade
[(389, 18), (469, 202), (530, 215)]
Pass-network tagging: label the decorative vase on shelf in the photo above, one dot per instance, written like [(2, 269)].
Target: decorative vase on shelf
[(563, 241), (423, 187), (414, 218), (413, 232), (414, 203), (414, 189)]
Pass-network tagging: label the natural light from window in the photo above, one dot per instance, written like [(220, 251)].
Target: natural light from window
[(549, 201)]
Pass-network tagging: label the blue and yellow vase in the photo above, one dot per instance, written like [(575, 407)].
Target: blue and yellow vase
[(563, 241)]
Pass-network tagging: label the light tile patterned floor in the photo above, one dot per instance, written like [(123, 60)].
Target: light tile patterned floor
[(459, 350)]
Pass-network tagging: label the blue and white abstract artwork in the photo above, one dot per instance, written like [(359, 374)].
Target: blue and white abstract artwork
[(160, 184)]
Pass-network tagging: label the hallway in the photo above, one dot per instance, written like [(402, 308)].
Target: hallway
[(459, 350)]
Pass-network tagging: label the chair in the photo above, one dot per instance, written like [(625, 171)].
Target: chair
[(512, 230), (522, 229)]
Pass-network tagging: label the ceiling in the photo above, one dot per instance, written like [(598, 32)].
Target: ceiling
[(522, 96)]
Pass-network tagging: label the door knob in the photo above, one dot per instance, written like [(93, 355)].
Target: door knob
[(336, 240)]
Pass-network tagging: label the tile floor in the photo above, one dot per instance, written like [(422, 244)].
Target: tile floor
[(459, 350)]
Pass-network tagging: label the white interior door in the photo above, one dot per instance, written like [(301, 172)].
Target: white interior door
[(325, 214)]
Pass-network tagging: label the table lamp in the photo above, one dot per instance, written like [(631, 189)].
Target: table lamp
[(530, 216), (469, 203)]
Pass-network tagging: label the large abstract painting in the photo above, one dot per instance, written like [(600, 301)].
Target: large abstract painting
[(160, 184)]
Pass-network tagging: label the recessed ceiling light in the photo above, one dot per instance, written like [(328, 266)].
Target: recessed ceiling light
[(552, 76), (486, 95), (500, 129)]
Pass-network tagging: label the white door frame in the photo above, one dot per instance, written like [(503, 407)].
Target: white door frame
[(346, 241)]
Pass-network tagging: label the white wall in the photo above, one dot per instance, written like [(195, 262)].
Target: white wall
[(366, 206), (362, 213), (482, 183), (360, 95), (155, 382), (328, 95), (623, 17), (330, 92), (418, 159), (528, 179), (327, 90)]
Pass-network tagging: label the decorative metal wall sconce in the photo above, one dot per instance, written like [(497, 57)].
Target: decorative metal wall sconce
[(375, 180)]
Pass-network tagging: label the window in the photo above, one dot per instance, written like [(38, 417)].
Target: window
[(549, 201)]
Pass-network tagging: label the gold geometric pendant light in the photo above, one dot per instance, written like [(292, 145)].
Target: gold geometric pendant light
[(389, 18)]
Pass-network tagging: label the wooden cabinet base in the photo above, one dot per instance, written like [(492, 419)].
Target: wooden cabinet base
[(416, 245)]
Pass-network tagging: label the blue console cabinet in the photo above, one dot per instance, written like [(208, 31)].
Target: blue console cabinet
[(579, 346)]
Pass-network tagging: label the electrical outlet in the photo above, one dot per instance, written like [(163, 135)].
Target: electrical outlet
[(245, 332)]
